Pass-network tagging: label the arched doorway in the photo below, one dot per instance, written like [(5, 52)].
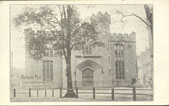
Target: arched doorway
[(87, 74), (87, 77)]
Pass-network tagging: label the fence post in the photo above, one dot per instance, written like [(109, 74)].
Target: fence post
[(93, 92), (60, 92), (52, 92), (152, 97), (76, 92), (112, 93), (29, 92), (14, 92), (134, 94), (37, 93), (45, 92)]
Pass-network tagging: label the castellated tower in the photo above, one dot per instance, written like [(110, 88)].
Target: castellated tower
[(102, 21), (46, 72), (90, 67), (123, 58), (114, 64)]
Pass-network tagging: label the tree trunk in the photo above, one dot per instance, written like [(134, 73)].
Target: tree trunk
[(70, 92), (149, 16)]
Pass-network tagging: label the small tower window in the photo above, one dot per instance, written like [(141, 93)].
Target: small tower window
[(87, 50), (48, 53)]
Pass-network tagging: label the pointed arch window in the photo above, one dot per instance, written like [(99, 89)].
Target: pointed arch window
[(119, 63), (47, 70)]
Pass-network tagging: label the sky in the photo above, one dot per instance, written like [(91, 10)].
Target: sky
[(130, 24)]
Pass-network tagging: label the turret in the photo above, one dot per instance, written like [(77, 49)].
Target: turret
[(101, 22)]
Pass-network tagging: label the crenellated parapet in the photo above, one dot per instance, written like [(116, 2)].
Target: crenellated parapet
[(101, 18), (123, 37)]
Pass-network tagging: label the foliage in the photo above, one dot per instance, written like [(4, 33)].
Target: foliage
[(52, 29)]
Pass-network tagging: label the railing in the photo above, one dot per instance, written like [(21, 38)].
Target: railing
[(93, 92)]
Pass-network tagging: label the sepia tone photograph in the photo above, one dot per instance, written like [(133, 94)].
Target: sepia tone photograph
[(91, 52), (85, 105)]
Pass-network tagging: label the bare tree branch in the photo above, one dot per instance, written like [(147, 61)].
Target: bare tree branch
[(142, 20), (131, 15)]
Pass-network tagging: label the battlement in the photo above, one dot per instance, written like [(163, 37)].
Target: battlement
[(123, 37), (101, 18)]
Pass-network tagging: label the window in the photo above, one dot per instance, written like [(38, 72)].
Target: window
[(48, 53), (87, 50), (119, 63), (47, 70), (51, 53)]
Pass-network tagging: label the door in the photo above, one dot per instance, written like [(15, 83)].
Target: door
[(87, 77)]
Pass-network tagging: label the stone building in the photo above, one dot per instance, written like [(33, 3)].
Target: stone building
[(145, 68), (111, 65), (44, 73)]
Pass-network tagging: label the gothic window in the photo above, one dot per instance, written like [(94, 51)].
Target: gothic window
[(47, 70), (119, 63)]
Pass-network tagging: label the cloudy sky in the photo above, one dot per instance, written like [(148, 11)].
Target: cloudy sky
[(130, 24)]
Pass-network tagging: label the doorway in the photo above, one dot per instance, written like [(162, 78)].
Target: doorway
[(87, 77)]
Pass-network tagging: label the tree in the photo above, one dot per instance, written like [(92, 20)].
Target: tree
[(60, 30), (148, 21)]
